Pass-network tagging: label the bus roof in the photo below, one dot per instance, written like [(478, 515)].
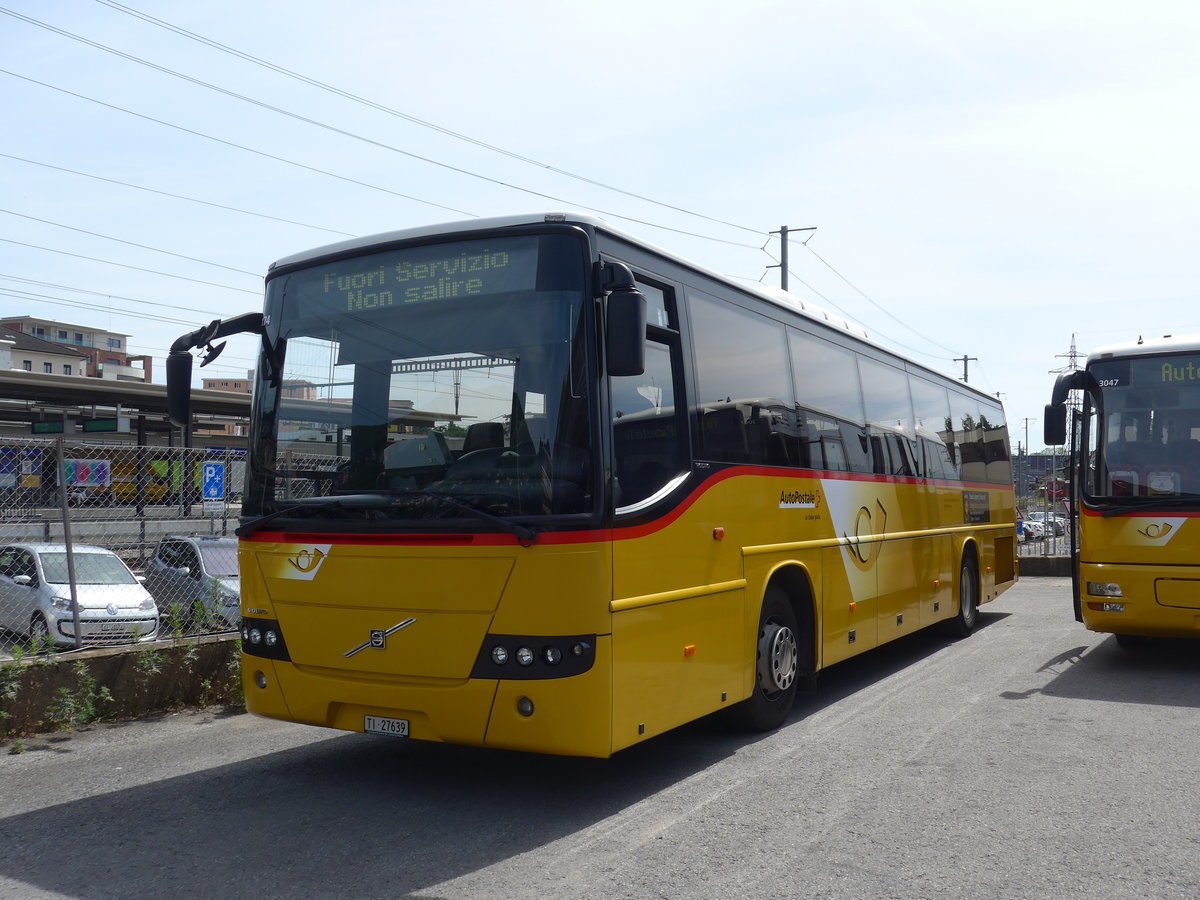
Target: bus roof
[(774, 295), (1183, 343)]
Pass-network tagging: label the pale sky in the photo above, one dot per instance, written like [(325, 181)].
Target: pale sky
[(986, 179)]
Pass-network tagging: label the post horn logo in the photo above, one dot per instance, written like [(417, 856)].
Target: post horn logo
[(1155, 532), (866, 525), (307, 561)]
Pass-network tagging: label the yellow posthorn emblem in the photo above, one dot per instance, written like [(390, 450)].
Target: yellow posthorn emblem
[(1155, 531), (306, 561), (866, 525)]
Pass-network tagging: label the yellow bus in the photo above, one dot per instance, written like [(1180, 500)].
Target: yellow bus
[(673, 494), (1135, 461)]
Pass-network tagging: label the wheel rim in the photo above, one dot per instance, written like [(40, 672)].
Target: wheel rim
[(778, 658), (38, 629)]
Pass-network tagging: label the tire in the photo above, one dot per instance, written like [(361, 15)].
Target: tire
[(776, 668), (39, 631), (967, 617)]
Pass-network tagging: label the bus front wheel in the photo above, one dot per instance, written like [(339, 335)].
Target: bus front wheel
[(967, 616), (776, 668)]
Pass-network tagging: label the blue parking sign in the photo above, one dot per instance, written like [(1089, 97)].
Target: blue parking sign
[(213, 484)]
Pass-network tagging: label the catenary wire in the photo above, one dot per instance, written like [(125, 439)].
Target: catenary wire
[(118, 240), (109, 262), (358, 137), (139, 187), (236, 146), (313, 82)]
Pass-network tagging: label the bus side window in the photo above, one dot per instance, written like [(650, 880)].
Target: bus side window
[(742, 377)]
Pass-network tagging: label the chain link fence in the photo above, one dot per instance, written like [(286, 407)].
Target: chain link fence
[(106, 543), (1046, 529)]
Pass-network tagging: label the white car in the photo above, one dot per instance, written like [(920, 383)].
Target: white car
[(35, 596)]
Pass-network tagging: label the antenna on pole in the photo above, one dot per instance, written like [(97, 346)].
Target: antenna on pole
[(964, 359)]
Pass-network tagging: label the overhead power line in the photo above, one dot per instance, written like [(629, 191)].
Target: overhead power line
[(79, 290), (345, 133), (108, 237), (878, 306), (109, 262), (321, 85), (140, 187), (236, 146)]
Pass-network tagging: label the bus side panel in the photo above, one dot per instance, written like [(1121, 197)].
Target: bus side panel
[(903, 582), (675, 662), (679, 613), (851, 618)]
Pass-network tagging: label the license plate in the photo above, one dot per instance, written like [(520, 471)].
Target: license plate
[(380, 725)]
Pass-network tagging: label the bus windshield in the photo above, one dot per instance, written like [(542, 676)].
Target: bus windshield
[(453, 370), (1144, 429)]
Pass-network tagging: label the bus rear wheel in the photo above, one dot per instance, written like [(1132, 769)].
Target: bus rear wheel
[(777, 666), (967, 617)]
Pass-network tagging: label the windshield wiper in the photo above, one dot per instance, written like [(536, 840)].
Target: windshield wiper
[(344, 501), (525, 535), (1190, 500)]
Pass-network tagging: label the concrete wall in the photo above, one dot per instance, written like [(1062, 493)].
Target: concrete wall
[(63, 690)]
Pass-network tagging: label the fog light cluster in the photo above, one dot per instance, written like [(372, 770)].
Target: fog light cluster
[(1109, 606), (263, 637), (520, 656)]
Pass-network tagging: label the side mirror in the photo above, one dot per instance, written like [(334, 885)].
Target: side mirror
[(624, 322), (1054, 425), (179, 360), (179, 387)]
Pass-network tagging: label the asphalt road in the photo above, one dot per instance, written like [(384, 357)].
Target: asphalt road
[(1033, 759)]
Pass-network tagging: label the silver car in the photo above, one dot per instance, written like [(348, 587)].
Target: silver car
[(195, 581), (35, 596)]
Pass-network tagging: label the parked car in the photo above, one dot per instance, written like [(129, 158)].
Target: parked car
[(1034, 530), (35, 595), (195, 580), (1052, 523)]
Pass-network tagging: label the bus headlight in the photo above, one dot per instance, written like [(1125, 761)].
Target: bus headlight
[(1104, 589)]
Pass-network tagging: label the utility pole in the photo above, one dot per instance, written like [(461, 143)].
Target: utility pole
[(1025, 460), (783, 256), (964, 359), (783, 233)]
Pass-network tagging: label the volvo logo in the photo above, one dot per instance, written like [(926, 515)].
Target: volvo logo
[(378, 638)]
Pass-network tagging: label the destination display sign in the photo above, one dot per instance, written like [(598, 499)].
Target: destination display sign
[(1179, 371), (433, 274)]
